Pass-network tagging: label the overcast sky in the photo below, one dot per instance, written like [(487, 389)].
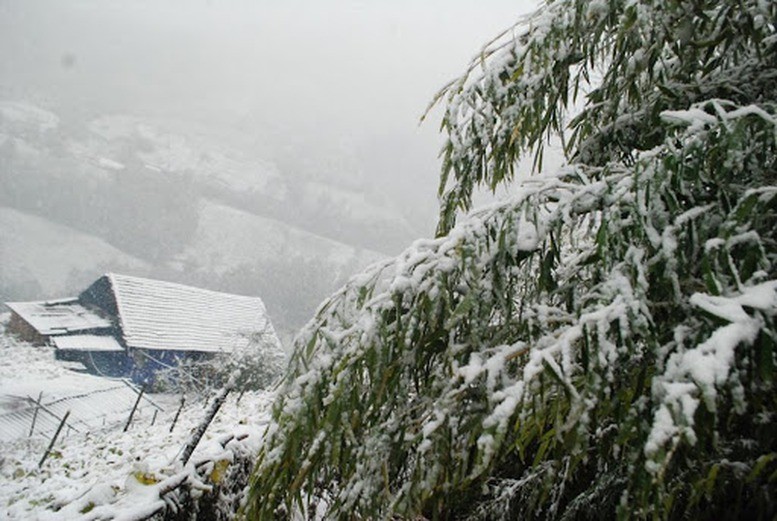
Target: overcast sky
[(298, 74)]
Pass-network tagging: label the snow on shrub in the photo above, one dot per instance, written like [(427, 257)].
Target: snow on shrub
[(599, 344)]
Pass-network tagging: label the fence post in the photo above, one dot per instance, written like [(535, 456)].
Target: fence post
[(54, 439), (203, 426), (134, 407), (35, 413), (183, 399), (153, 418)]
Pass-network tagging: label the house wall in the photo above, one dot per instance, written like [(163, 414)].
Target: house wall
[(24, 331), (101, 295), (101, 363)]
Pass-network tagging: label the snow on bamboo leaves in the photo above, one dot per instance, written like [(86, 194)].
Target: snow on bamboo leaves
[(602, 342)]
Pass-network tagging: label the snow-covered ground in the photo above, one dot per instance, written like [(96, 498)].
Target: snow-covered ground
[(98, 471)]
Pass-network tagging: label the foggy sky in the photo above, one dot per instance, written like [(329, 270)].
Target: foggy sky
[(343, 62), (296, 77)]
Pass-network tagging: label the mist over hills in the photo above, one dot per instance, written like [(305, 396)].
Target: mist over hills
[(157, 198), (256, 147)]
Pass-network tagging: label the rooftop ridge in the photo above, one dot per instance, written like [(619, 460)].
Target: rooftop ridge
[(156, 314), (132, 278)]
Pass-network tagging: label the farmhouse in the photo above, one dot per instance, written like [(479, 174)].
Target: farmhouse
[(132, 326)]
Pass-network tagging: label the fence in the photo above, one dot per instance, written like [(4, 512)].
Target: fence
[(89, 411)]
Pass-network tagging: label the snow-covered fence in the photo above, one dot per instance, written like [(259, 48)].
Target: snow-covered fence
[(92, 410), (16, 424), (212, 486)]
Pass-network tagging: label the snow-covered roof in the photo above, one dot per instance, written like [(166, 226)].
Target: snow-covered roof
[(59, 317), (87, 343), (163, 315)]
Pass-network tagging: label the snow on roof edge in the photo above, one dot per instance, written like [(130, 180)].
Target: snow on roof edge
[(49, 302), (112, 277)]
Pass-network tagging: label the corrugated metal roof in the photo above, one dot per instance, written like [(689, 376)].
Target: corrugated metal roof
[(57, 317), (162, 315), (87, 343)]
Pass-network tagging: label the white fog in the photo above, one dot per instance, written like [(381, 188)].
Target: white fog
[(264, 148), (428, 260)]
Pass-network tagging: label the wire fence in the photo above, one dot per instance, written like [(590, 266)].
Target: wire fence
[(101, 408)]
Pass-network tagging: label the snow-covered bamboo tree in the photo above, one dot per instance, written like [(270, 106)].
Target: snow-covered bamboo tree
[(600, 344)]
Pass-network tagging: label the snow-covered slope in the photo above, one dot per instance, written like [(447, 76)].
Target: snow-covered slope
[(227, 238), (354, 205), (161, 145), (56, 258), (20, 114)]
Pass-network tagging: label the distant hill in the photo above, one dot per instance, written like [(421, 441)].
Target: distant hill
[(291, 269), (181, 202), (227, 238), (39, 258), (319, 198)]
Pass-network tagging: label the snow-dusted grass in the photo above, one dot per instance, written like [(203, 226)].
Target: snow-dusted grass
[(102, 472)]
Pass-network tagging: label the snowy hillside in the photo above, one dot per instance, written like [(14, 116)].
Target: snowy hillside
[(291, 269), (234, 166), (227, 238), (39, 258), (182, 201), (185, 202), (20, 115), (209, 160)]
